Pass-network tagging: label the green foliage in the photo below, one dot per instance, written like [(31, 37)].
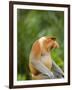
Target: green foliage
[(31, 25)]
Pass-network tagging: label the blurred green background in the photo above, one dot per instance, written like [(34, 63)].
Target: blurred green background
[(31, 25)]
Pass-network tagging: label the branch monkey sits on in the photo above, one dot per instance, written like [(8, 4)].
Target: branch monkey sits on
[(40, 61)]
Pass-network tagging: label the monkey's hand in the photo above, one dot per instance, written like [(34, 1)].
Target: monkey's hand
[(57, 70), (42, 68)]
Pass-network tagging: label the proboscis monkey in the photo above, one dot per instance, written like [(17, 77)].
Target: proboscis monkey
[(40, 61)]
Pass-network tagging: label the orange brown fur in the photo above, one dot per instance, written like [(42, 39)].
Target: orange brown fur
[(36, 49)]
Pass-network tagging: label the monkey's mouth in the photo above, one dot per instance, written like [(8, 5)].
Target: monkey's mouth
[(51, 47)]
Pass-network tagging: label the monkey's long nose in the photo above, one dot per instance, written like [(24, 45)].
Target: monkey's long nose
[(56, 45)]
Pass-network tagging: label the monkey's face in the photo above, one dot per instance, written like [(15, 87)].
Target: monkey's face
[(51, 43)]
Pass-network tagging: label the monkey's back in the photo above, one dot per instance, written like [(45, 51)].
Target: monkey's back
[(32, 68)]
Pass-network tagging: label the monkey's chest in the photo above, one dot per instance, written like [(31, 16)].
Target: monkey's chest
[(47, 61)]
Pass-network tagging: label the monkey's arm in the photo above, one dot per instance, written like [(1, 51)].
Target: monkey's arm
[(42, 69), (57, 70)]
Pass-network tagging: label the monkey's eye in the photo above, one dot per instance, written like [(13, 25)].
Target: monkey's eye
[(53, 38)]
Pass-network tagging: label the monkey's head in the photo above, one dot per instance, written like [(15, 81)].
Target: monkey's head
[(50, 43), (43, 45)]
